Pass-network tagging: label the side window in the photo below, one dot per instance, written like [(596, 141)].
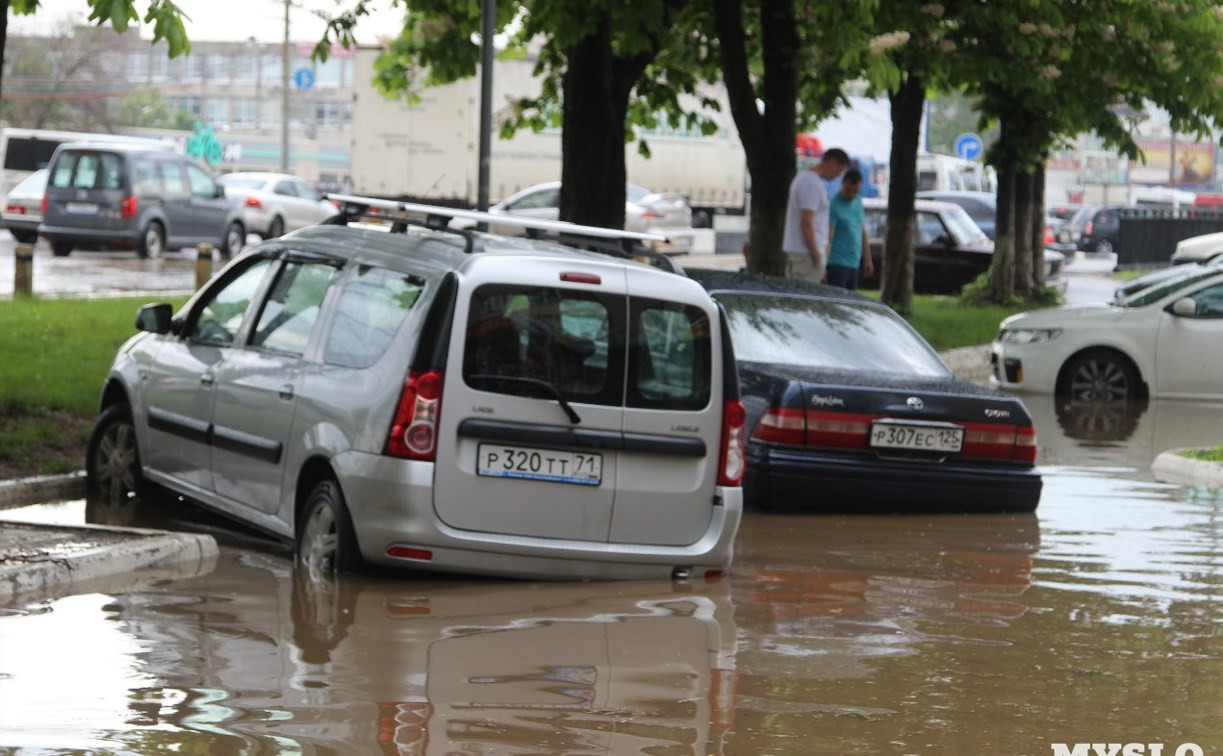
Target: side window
[(292, 307), (875, 223), (670, 363), (372, 306), (218, 319), (305, 191), (1209, 302), (535, 341), (538, 200), (172, 178), (148, 180), (201, 183), (929, 228), (285, 188)]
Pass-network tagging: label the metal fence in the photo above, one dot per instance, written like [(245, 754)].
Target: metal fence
[(1149, 236)]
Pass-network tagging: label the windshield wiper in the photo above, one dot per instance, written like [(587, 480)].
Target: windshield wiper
[(552, 391)]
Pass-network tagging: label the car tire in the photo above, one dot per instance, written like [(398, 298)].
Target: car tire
[(112, 458), (233, 240), (1099, 375), (24, 237), (1104, 247), (61, 249), (325, 540), (276, 228), (152, 244)]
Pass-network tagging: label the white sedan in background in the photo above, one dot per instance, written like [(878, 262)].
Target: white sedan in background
[(665, 213), (1162, 341), (275, 203)]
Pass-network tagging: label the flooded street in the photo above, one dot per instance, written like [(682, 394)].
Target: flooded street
[(1096, 620)]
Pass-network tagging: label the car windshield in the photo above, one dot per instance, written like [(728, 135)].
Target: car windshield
[(636, 193), (812, 332), (241, 182), (1084, 214), (962, 228), (1162, 289)]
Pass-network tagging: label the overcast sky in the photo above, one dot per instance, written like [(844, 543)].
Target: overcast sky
[(227, 19)]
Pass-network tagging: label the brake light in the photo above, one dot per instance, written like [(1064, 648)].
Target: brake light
[(1025, 445), (413, 432), (1087, 229), (254, 202), (127, 207), (1048, 238), (586, 278), (43, 205), (782, 425), (1011, 442), (15, 209), (843, 430), (733, 459)]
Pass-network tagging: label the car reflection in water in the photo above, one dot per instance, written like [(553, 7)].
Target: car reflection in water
[(260, 655)]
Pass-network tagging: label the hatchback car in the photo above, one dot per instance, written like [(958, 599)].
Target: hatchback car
[(1094, 228), (273, 203), (112, 196), (441, 400), (1161, 341), (848, 408), (23, 207)]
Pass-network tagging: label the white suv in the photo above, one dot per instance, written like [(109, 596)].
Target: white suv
[(442, 400)]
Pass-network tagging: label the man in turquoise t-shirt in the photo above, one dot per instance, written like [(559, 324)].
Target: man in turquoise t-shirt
[(849, 250)]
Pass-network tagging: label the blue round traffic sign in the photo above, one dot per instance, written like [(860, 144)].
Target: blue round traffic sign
[(968, 146), (303, 78)]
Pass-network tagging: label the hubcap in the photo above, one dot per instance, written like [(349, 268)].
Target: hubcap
[(234, 243), (152, 242), (115, 462), (1100, 379), (319, 541)]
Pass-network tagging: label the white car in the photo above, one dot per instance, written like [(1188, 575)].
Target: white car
[(665, 213), (1161, 341), (275, 203), (1198, 248)]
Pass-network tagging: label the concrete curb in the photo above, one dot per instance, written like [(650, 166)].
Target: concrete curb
[(1171, 467), (135, 555), (16, 493), (970, 363)]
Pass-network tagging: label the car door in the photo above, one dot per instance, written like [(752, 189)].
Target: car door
[(1188, 359), (256, 386), (209, 212), (511, 459), (179, 384), (181, 223)]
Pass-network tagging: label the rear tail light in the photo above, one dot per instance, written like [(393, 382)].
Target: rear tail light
[(413, 433), (1087, 229), (15, 209), (1048, 238), (843, 430), (733, 459), (1011, 442), (1025, 445), (127, 207), (254, 202), (43, 205), (782, 425)]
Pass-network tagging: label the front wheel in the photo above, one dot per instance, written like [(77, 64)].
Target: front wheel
[(233, 241), (112, 461), (1100, 376), (325, 541)]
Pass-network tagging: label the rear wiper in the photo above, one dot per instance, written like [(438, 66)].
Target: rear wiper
[(552, 391)]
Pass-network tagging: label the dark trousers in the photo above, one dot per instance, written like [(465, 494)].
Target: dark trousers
[(843, 276)]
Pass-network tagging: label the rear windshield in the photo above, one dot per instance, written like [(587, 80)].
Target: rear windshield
[(76, 169), (825, 334), (241, 182)]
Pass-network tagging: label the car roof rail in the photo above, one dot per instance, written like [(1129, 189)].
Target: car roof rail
[(608, 241)]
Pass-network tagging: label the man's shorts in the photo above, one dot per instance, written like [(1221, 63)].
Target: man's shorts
[(802, 266)]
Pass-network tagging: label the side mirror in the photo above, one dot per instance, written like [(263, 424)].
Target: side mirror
[(154, 318), (1186, 307)]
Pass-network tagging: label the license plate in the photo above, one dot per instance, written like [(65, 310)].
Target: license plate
[(917, 437), (81, 208), (550, 465)]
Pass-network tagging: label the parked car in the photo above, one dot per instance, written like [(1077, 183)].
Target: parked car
[(23, 207), (644, 211), (116, 196), (982, 207), (273, 203), (1198, 249), (1094, 228), (1163, 274), (849, 408), (440, 400), (1162, 341)]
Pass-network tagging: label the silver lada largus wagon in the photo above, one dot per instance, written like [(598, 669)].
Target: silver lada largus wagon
[(389, 391)]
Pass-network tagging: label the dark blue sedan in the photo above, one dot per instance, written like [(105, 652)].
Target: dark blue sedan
[(851, 409)]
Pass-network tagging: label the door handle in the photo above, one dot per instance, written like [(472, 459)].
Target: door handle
[(207, 379), (286, 391)]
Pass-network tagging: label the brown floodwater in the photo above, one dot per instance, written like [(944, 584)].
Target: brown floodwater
[(1099, 619)]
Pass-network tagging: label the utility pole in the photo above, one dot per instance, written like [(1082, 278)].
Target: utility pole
[(284, 96), (489, 22)]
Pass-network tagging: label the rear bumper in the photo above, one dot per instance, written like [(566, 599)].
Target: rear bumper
[(89, 237), (19, 222), (391, 502), (827, 481)]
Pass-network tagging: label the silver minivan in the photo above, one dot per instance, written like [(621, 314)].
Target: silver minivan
[(443, 400)]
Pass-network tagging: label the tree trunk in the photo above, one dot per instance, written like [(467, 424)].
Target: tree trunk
[(768, 136), (1002, 269), (896, 279), (1024, 212), (1038, 226), (3, 41)]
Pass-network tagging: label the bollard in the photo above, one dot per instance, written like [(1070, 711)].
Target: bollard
[(23, 274), (203, 264)]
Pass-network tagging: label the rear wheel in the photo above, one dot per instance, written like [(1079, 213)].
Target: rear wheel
[(276, 228), (112, 461), (233, 241), (1104, 247), (325, 541), (152, 241), (61, 249), (1100, 376)]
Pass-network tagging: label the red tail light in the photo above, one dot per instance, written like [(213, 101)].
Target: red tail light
[(15, 209), (733, 459), (1011, 442), (1048, 238), (414, 431), (43, 205), (782, 425), (844, 430), (1087, 229), (253, 202), (1025, 445), (127, 207)]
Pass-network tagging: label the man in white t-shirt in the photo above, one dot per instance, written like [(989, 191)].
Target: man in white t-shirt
[(806, 236)]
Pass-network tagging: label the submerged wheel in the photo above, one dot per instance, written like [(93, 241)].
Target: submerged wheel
[(152, 242), (112, 461), (325, 541), (1100, 376)]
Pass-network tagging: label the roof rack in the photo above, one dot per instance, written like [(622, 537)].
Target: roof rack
[(615, 242)]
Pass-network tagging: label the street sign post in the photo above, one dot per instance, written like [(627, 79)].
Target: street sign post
[(969, 146)]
